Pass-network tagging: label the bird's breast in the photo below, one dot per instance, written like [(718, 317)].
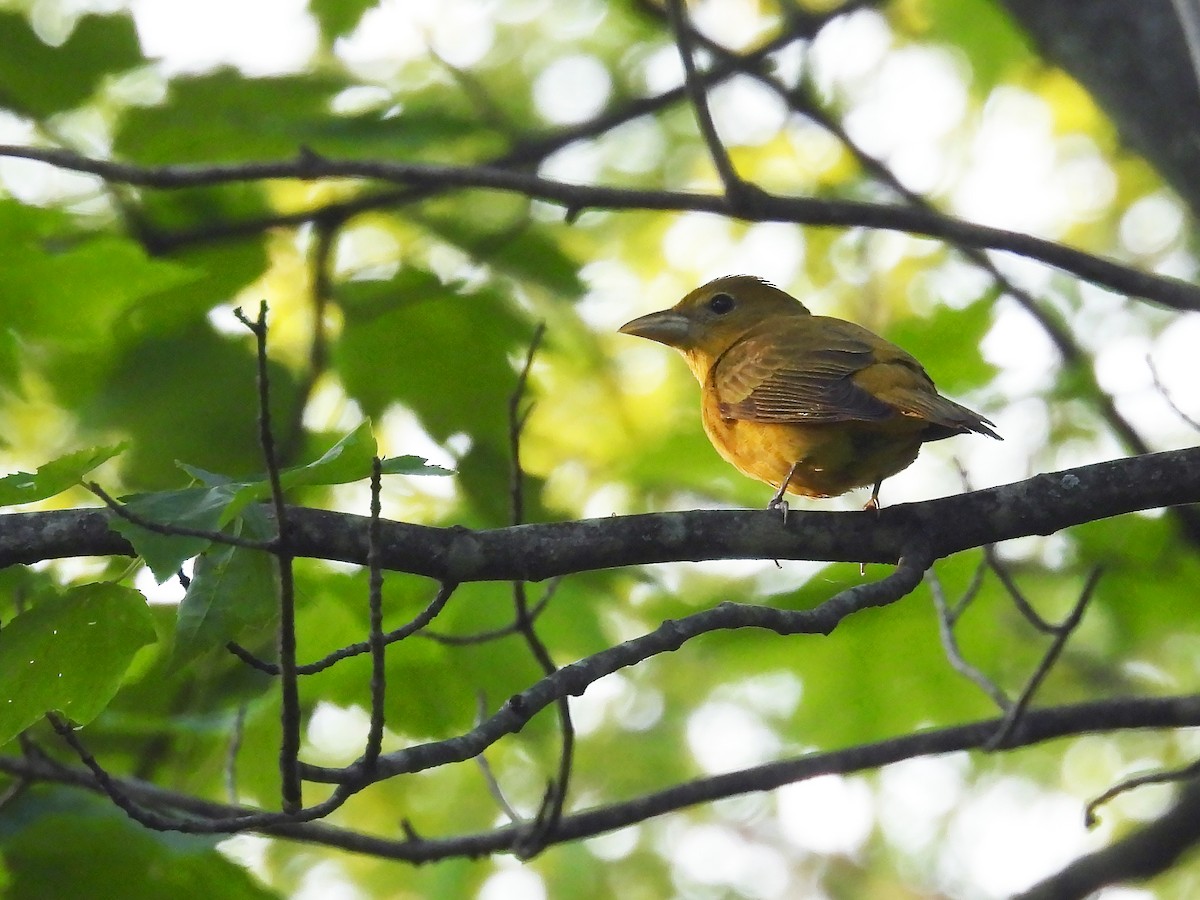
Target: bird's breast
[(833, 457)]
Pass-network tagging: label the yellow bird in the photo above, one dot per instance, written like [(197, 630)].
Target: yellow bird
[(812, 405)]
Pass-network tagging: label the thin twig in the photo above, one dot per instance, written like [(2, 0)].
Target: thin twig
[(947, 617), (735, 188), (1018, 597), (489, 777), (492, 634), (1167, 776), (533, 839), (1062, 633), (289, 685), (1166, 395), (375, 636), (170, 530), (516, 424), (414, 626), (150, 818)]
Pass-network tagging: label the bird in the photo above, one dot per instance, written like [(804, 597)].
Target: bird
[(815, 406)]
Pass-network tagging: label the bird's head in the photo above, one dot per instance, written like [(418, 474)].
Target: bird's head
[(713, 317)]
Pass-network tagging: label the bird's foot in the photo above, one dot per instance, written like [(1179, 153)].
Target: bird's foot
[(873, 503), (777, 502)]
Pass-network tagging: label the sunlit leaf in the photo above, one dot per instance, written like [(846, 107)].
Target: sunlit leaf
[(68, 654), (54, 477)]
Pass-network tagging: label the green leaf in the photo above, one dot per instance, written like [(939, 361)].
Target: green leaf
[(532, 252), (961, 330), (38, 80), (412, 465), (55, 476), (265, 118), (188, 396), (69, 654), (445, 355), (62, 844), (198, 508), (233, 591), (347, 460), (94, 281)]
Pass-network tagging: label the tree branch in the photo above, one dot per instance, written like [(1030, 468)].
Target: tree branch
[(1042, 505), (1037, 726), (1167, 291)]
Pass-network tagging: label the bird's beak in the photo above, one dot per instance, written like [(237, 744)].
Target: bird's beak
[(667, 327)]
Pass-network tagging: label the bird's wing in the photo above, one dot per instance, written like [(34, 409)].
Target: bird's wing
[(769, 376), (946, 417)]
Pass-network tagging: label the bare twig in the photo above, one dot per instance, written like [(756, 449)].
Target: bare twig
[(671, 635), (736, 190), (492, 634), (489, 777), (1018, 597), (533, 839), (1168, 776), (947, 617), (414, 626), (1166, 395), (237, 820), (1062, 633), (376, 639), (516, 424), (289, 743)]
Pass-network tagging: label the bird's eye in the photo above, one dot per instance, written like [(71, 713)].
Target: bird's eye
[(720, 303)]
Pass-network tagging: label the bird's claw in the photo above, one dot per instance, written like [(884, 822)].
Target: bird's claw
[(780, 504)]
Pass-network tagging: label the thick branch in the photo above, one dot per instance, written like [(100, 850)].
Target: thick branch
[(1043, 504)]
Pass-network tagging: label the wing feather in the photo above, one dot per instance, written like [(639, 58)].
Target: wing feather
[(764, 378)]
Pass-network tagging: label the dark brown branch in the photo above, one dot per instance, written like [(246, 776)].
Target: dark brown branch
[(289, 684), (413, 626), (573, 680), (533, 838), (1171, 292), (736, 190), (1043, 504), (1037, 726), (1062, 633), (376, 639)]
